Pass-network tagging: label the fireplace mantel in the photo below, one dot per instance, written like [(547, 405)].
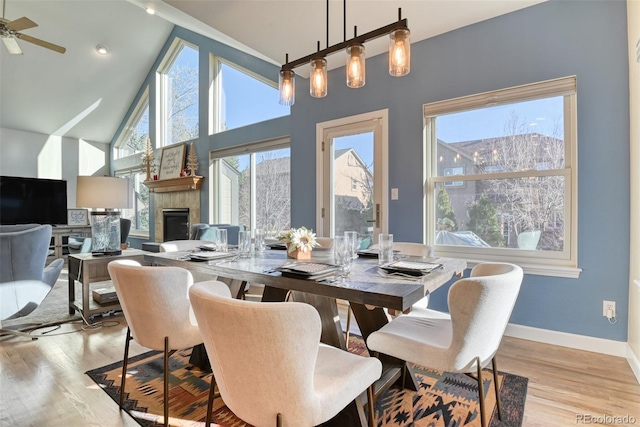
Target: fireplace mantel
[(184, 183)]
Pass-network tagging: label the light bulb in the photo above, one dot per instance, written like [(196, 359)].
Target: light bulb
[(355, 66), (318, 79), (399, 53)]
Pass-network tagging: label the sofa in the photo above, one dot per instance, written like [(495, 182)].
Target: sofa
[(25, 279)]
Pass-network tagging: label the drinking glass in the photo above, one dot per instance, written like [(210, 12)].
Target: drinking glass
[(221, 240), (354, 242), (244, 243), (385, 248), (258, 239), (342, 255)]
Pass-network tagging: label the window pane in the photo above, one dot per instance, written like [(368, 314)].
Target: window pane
[(180, 89), (246, 100), (137, 139), (139, 214), (524, 213), (507, 138)]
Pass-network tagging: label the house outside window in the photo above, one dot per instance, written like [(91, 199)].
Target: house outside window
[(501, 174), (178, 106), (252, 186)]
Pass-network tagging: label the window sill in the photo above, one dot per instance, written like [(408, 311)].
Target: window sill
[(540, 270)]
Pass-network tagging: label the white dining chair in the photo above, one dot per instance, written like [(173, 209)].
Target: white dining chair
[(467, 339), (156, 306), (269, 365)]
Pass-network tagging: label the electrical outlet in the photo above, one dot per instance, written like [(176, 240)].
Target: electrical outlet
[(609, 309)]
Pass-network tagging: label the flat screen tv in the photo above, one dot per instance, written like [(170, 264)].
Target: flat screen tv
[(33, 201)]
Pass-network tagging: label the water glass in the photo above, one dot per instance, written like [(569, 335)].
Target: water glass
[(385, 248), (244, 243), (354, 242), (342, 254), (258, 239), (221, 240)]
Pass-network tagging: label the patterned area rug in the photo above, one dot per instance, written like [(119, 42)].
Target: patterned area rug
[(444, 400)]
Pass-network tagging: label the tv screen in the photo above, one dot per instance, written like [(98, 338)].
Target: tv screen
[(32, 200)]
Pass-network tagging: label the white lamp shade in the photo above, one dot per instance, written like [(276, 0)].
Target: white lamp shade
[(102, 192)]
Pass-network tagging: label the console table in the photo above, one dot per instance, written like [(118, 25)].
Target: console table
[(60, 238), (88, 269)]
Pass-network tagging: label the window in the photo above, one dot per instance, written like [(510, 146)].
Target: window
[(178, 77), (501, 177), (243, 98), (133, 138), (252, 186), (139, 213), (354, 183)]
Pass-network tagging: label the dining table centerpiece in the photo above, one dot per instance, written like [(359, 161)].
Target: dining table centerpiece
[(300, 242)]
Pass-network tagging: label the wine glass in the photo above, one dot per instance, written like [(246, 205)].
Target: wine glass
[(343, 255)]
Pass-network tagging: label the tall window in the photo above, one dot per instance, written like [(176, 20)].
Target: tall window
[(243, 97), (133, 137), (139, 213), (179, 94), (251, 186), (501, 176)]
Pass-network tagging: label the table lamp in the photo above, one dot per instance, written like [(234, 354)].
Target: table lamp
[(107, 193)]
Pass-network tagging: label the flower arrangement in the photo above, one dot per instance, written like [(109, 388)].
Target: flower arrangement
[(299, 238)]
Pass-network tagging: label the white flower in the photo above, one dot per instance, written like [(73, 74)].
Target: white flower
[(299, 238)]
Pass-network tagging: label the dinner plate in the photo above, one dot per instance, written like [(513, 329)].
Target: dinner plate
[(413, 268)]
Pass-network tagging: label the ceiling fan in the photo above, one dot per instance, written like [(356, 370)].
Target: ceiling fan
[(10, 32)]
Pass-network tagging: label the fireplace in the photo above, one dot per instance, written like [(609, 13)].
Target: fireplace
[(175, 224)]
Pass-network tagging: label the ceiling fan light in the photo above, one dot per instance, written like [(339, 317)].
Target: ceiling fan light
[(287, 87), (355, 66), (400, 52), (12, 45), (102, 50), (318, 79)]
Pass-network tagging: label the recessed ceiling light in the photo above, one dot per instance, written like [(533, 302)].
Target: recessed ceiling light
[(102, 50), (150, 11)]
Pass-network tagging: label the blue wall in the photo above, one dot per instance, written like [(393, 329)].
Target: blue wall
[(546, 41)]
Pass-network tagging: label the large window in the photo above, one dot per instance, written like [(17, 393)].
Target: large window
[(178, 76), (133, 138), (139, 213), (251, 186), (501, 176), (243, 98)]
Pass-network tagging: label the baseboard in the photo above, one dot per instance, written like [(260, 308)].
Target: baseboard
[(564, 339), (634, 362)]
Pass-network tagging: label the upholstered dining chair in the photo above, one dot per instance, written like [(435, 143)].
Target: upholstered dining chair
[(156, 306), (269, 365), (467, 339)]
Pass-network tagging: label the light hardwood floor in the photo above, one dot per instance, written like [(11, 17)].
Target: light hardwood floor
[(42, 383)]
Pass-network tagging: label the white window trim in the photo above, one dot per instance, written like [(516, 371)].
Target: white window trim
[(132, 123), (564, 264), (122, 173)]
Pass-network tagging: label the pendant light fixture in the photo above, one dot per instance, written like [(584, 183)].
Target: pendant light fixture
[(399, 59)]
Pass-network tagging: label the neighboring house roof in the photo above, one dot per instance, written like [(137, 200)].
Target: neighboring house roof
[(349, 202), (339, 153)]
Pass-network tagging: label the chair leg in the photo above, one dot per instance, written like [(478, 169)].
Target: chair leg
[(212, 391), (279, 420), (166, 381), (495, 386), (481, 392), (124, 366), (371, 402), (346, 334)]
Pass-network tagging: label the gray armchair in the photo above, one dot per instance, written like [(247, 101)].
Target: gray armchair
[(202, 231), (24, 279)]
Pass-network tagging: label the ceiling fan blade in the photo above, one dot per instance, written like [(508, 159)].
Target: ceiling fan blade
[(3, 21), (42, 43), (21, 24), (12, 45)]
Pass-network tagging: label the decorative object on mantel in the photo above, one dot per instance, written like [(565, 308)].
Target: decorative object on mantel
[(148, 161), (172, 161), (300, 242), (184, 183), (192, 160)]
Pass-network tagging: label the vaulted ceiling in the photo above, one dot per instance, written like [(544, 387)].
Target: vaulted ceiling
[(81, 94)]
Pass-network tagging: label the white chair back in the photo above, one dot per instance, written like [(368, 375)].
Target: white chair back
[(480, 307), (156, 304)]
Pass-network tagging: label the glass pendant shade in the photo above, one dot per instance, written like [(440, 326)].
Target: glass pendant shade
[(355, 66), (400, 52), (287, 87), (318, 80)]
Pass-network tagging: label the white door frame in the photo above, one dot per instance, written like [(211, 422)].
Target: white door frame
[(381, 156)]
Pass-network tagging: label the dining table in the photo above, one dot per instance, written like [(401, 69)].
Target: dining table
[(370, 290)]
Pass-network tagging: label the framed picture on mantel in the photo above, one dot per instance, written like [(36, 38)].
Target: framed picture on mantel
[(172, 161)]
